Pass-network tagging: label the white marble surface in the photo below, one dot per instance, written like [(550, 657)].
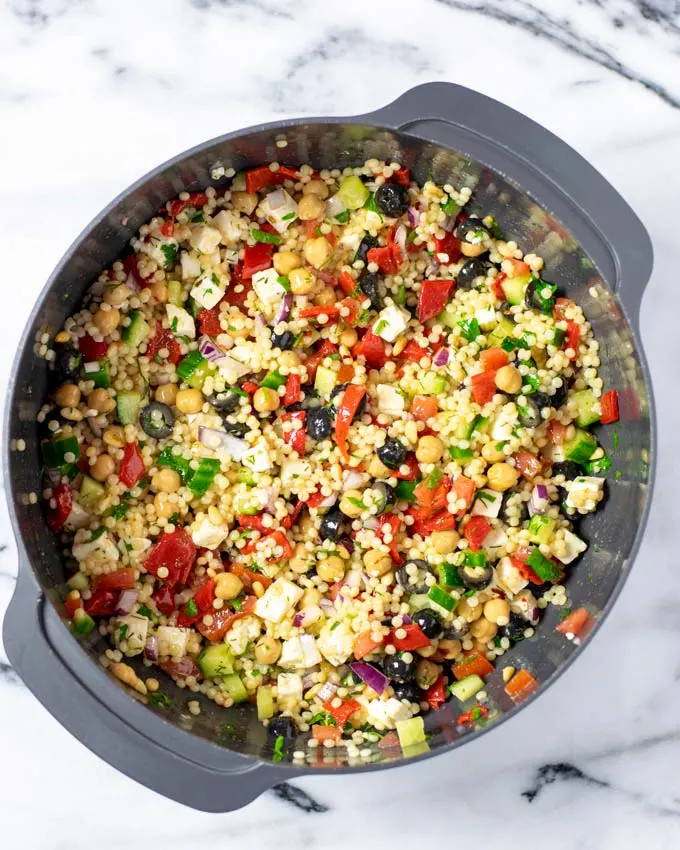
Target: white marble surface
[(94, 93)]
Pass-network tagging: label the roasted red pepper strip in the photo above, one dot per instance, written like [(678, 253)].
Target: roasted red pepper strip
[(262, 176), (289, 521), (347, 283), (415, 638), (573, 338), (163, 338), (293, 390), (195, 199), (372, 349), (609, 404), (388, 258), (519, 562), (351, 399), (402, 177), (315, 499), (436, 695), (256, 523), (91, 349), (209, 321), (72, 605), (176, 553), (165, 600), (413, 469), (57, 516), (483, 386), (102, 603), (131, 267), (132, 467), (497, 286), (413, 353), (432, 298), (314, 360), (296, 438), (256, 258), (475, 531), (343, 712), (238, 289), (448, 245), (394, 524), (122, 579)]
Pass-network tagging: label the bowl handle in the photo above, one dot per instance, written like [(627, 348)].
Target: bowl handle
[(557, 176), (92, 717)]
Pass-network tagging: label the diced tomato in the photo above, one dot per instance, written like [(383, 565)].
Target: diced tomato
[(372, 349), (163, 338), (393, 523), (167, 229), (326, 733), (573, 338), (165, 600), (424, 407), (209, 322), (345, 373), (296, 438), (443, 521), (131, 267), (415, 638), (91, 349), (315, 499), (332, 311), (293, 392), (122, 579), (493, 358), (351, 399), (473, 663), (313, 361), (575, 623), (311, 228), (432, 500), (402, 176), (250, 387), (222, 621), (497, 286), (471, 716), (132, 466), (413, 353), (387, 258), (249, 577), (527, 463), (519, 267), (483, 386), (448, 245), (196, 200), (203, 599), (176, 552), (465, 489), (343, 712), (557, 432), (365, 644), (521, 686), (262, 176), (476, 529), (72, 605), (255, 522), (256, 258), (436, 694), (102, 603), (347, 283), (610, 407), (57, 516), (561, 307), (432, 298)]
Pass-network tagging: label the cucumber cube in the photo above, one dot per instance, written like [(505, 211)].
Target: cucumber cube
[(235, 688), (467, 687), (325, 381), (541, 529), (580, 448), (353, 193), (587, 408), (265, 702), (216, 661), (411, 731)]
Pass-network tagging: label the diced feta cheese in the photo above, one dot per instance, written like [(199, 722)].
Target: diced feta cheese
[(140, 546), (487, 503), (131, 629), (230, 369), (494, 540), (204, 238), (486, 317), (575, 546), (299, 653), (160, 249), (289, 687), (503, 424), (267, 287), (181, 322), (509, 578), (386, 713), (242, 633), (191, 265), (295, 472), (172, 641), (279, 209), (525, 605), (78, 518), (232, 227), (390, 400), (585, 492), (257, 457), (278, 599), (336, 642), (351, 238), (100, 551), (391, 322), (245, 352), (207, 292), (207, 535)]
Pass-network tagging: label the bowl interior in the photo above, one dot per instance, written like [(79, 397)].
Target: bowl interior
[(611, 532)]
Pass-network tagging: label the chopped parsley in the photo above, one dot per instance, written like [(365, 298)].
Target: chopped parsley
[(288, 216), (356, 502), (123, 631), (450, 207), (400, 297), (237, 604), (262, 236), (372, 206), (342, 217), (335, 625), (197, 217), (282, 280), (278, 748), (564, 613), (143, 611), (486, 497), (170, 253), (162, 700), (191, 609), (615, 439), (173, 518), (174, 325), (119, 511), (364, 316), (97, 533), (322, 718), (382, 324), (494, 229), (470, 329)]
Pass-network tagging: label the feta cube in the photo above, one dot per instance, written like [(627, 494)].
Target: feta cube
[(496, 539), (525, 605), (487, 503), (232, 227), (230, 369), (384, 714), (172, 641), (207, 292), (204, 238), (390, 400), (585, 492), (207, 535), (160, 249), (509, 578), (299, 653), (279, 209), (191, 265), (278, 599), (100, 551), (502, 426), (242, 633), (391, 323), (574, 547), (181, 322), (289, 686), (336, 642), (257, 457), (486, 317), (131, 629), (351, 238), (295, 472), (267, 287)]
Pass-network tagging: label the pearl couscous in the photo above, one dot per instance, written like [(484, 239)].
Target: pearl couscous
[(317, 443)]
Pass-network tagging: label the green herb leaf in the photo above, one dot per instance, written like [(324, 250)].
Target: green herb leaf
[(170, 253), (288, 216), (143, 611), (174, 324), (382, 324), (282, 280), (372, 206), (278, 748), (123, 631), (356, 502), (97, 533), (434, 478), (486, 497), (450, 207), (343, 217), (237, 605), (400, 297), (162, 700), (262, 236), (173, 518), (191, 609), (470, 329), (197, 217), (322, 718)]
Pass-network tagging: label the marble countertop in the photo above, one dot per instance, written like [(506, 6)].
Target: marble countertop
[(93, 94)]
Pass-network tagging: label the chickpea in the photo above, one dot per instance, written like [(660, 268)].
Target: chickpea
[(377, 468), (502, 476), (115, 295), (302, 282), (267, 650), (326, 297), (244, 202), (444, 542), (163, 506), (68, 395), (100, 401), (227, 586), (348, 338), (289, 359), (106, 321), (286, 261), (311, 208), (189, 401), (317, 252), (316, 187), (306, 525), (159, 290), (166, 481), (102, 467), (470, 250), (114, 436), (429, 449), (483, 630), (377, 563), (497, 611), (266, 400), (508, 379), (166, 393), (331, 569), (427, 673), (467, 611), (310, 597), (348, 503), (449, 648), (426, 651), (491, 453), (300, 560)]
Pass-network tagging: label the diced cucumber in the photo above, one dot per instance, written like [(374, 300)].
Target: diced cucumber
[(542, 566), (177, 462), (246, 476), (189, 364), (440, 597), (353, 193), (82, 623), (97, 371), (587, 407), (238, 184), (433, 383), (235, 688), (325, 381), (580, 448), (137, 331), (175, 293), (558, 337), (600, 466), (217, 660), (91, 492), (515, 287), (203, 476), (54, 451), (449, 318), (544, 295), (467, 687), (265, 702), (411, 731), (78, 581), (128, 404), (474, 559), (478, 426), (273, 380), (503, 330), (448, 576), (541, 529)]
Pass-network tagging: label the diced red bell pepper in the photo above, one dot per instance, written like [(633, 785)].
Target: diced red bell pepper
[(176, 552), (432, 298), (313, 361), (528, 464), (132, 466), (91, 349), (393, 523), (163, 338), (473, 715), (72, 605), (365, 644), (167, 229), (102, 603), (465, 489), (424, 407), (326, 733), (262, 176), (345, 373), (289, 521), (372, 349), (249, 577), (521, 686), (388, 258), (195, 200), (330, 310), (250, 387), (432, 500), (238, 289), (436, 694), (448, 245), (518, 560), (279, 539), (497, 286), (561, 307), (315, 499), (57, 516), (351, 399), (222, 621), (209, 321), (443, 521), (473, 663), (256, 258), (293, 390), (493, 358), (413, 469), (203, 599), (415, 638), (256, 523), (483, 386), (165, 600), (347, 283), (296, 438), (413, 353), (575, 623), (476, 529), (342, 712), (573, 338), (402, 176), (122, 579), (131, 267), (609, 404)]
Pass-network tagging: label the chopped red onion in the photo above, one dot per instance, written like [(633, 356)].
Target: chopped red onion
[(209, 349), (441, 358), (369, 674), (326, 605), (213, 439), (182, 668), (539, 501), (371, 522), (387, 742), (298, 619), (353, 578), (284, 309), (400, 238), (131, 281), (413, 216), (329, 501), (326, 277), (183, 597), (151, 648), (126, 600), (326, 691)]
